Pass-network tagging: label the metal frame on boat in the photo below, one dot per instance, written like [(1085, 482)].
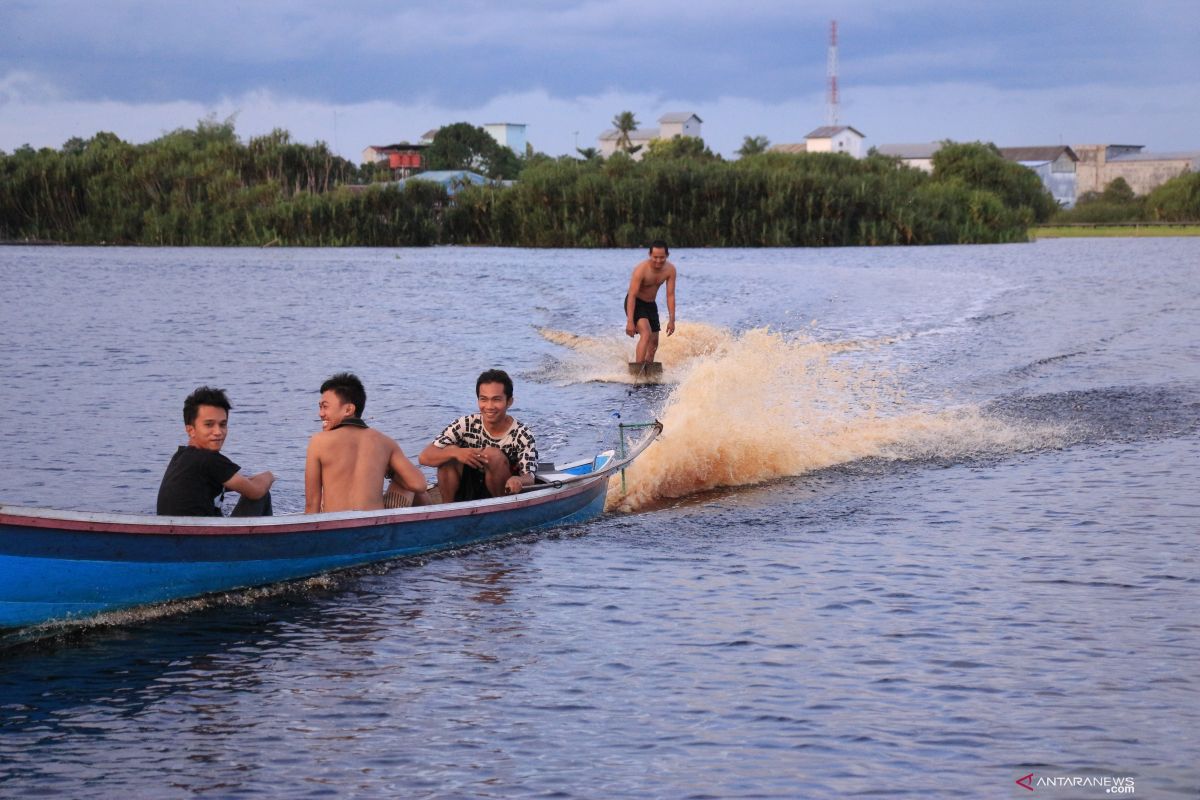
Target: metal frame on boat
[(64, 565)]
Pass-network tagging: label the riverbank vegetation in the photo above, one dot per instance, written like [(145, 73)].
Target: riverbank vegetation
[(1139, 230), (1177, 200), (692, 198), (204, 186)]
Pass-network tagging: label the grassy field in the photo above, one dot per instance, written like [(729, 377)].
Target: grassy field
[(1061, 231)]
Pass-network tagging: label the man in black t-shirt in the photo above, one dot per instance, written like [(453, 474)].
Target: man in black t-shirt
[(198, 473)]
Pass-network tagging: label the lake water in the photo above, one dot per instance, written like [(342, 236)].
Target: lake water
[(922, 522)]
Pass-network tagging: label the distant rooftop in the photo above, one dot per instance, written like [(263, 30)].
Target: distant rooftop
[(639, 135), (917, 150), (1038, 153), (450, 178), (1189, 155), (383, 148), (829, 131)]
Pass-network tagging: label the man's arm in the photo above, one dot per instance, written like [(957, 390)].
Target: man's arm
[(526, 463), (671, 302), (253, 487), (434, 456), (404, 473), (312, 478)]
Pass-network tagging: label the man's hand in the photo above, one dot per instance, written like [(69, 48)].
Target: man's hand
[(629, 329), (472, 458), (670, 327)]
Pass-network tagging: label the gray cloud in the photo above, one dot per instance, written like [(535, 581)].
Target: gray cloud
[(464, 54)]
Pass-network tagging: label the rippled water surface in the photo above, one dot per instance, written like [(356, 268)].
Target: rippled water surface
[(923, 522)]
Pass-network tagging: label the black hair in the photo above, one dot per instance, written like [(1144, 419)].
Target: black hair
[(349, 389), (495, 376), (203, 396), (662, 244)]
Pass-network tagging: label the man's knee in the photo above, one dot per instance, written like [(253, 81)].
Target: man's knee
[(497, 462), (449, 476)]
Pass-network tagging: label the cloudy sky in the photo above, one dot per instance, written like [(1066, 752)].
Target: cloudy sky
[(360, 72)]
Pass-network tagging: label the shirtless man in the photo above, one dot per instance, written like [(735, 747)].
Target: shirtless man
[(641, 302), (347, 461)]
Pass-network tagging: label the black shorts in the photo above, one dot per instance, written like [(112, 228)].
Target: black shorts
[(644, 309), (472, 486)]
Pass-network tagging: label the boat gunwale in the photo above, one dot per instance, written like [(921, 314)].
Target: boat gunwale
[(100, 522), (144, 524)]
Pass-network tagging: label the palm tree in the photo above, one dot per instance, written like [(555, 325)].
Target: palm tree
[(753, 145), (625, 123), (588, 153)]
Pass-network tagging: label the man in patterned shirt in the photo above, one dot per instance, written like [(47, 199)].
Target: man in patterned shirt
[(488, 454)]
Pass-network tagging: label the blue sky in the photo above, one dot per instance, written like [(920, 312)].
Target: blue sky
[(362, 72)]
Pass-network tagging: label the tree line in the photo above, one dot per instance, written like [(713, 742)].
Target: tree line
[(683, 194), (204, 186), (1177, 200)]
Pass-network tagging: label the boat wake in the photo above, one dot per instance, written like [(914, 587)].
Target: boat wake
[(763, 405), (606, 358)]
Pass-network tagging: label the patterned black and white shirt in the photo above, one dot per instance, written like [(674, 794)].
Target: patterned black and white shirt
[(517, 443)]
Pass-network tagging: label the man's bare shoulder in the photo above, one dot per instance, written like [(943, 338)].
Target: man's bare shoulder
[(339, 438), (382, 438), (360, 440)]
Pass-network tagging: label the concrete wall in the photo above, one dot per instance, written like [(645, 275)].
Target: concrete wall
[(1099, 165)]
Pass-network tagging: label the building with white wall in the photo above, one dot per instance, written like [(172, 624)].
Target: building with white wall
[(508, 134), (829, 139), (672, 125), (835, 139)]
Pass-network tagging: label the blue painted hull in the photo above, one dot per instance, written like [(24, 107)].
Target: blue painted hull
[(64, 566)]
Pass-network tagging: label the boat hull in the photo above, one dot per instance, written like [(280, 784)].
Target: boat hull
[(67, 569)]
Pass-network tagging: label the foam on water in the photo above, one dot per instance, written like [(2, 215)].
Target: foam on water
[(764, 405), (600, 358)]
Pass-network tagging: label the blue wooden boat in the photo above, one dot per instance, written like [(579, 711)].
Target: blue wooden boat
[(64, 566)]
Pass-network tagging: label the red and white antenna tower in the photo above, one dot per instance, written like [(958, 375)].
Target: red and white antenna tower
[(831, 111)]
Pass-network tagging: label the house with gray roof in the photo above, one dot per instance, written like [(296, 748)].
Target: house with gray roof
[(827, 139)]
